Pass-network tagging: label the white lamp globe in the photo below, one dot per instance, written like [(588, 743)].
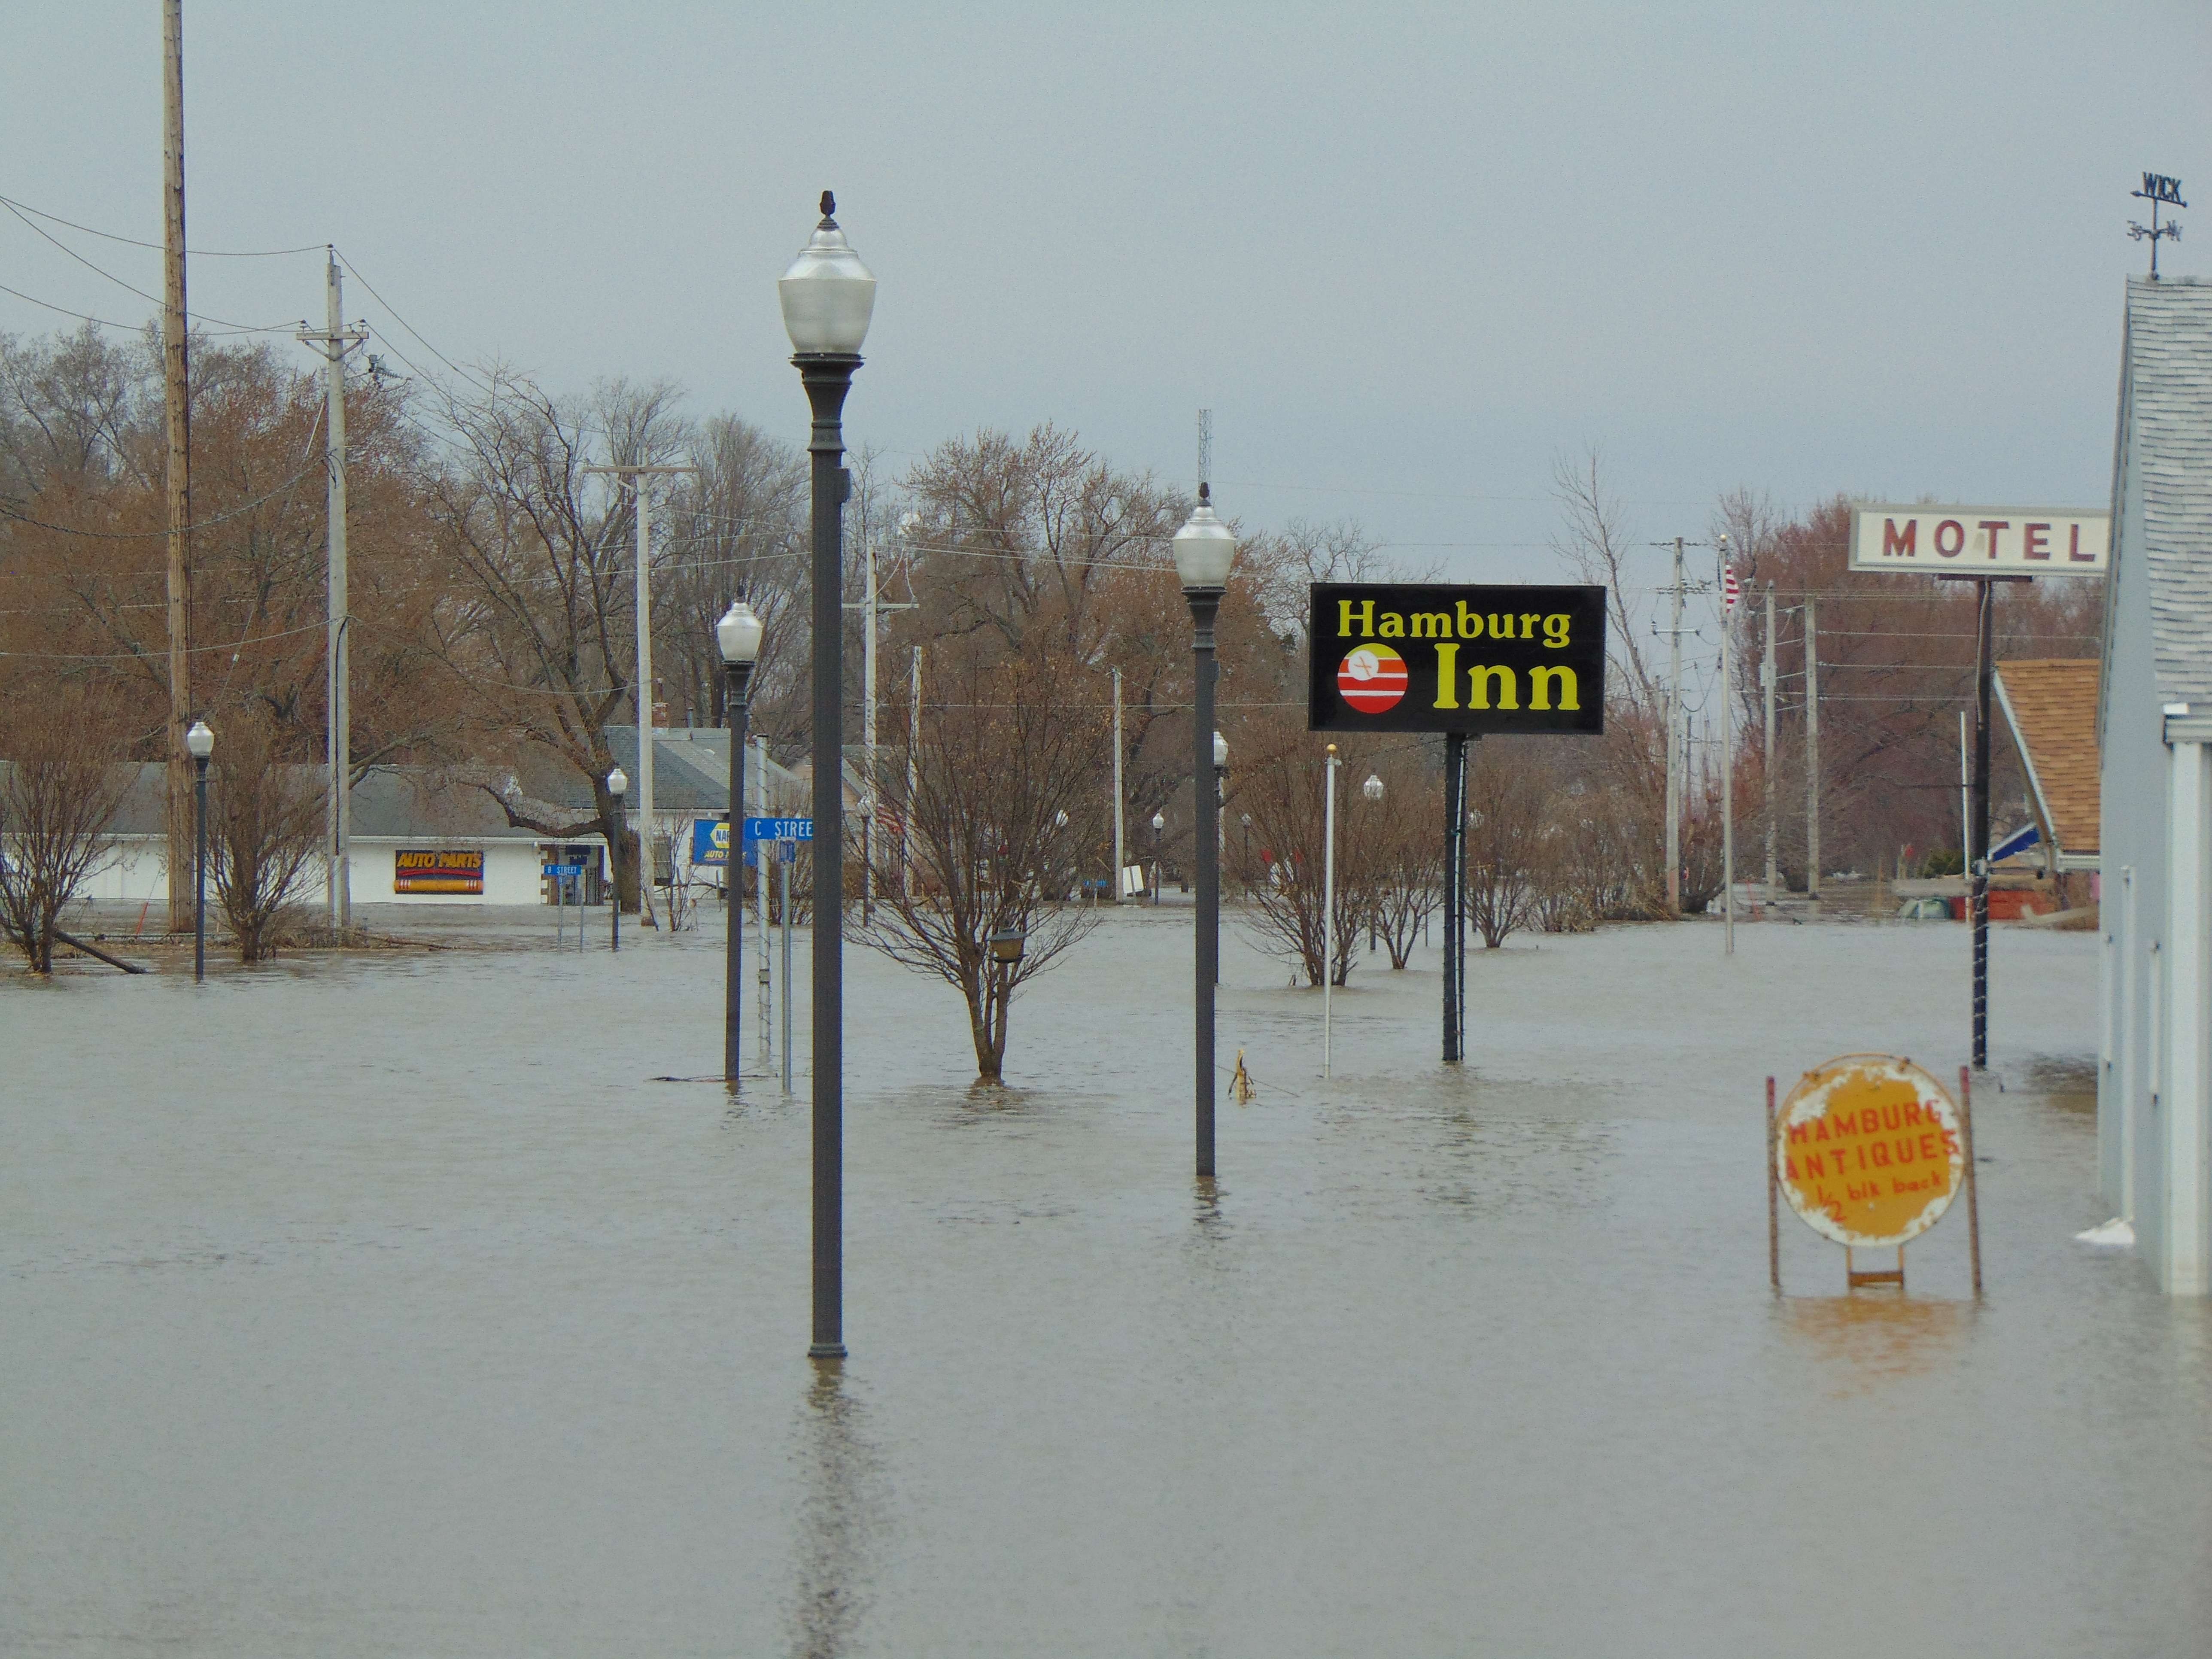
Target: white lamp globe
[(199, 741), (827, 294), (1204, 550), (617, 782), (1220, 751), (1158, 823), (1373, 787), (738, 633)]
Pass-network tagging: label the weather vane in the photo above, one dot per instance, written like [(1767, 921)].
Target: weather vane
[(2157, 188)]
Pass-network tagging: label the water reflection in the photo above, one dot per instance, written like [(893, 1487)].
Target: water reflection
[(840, 1509), (1872, 1338)]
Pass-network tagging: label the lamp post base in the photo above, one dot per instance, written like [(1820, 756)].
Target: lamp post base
[(826, 1350)]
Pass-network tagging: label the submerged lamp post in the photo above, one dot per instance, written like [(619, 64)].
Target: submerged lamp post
[(1373, 790), (1204, 550), (1159, 870), (827, 296), (199, 742), (738, 636), (617, 784)]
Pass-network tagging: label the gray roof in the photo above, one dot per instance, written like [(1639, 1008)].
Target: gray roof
[(396, 803), (2166, 439)]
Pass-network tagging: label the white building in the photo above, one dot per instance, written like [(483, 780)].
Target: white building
[(2155, 722)]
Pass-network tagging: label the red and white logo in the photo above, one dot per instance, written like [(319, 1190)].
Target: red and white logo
[(1372, 679)]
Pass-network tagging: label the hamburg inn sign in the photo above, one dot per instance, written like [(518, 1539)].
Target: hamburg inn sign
[(1475, 661)]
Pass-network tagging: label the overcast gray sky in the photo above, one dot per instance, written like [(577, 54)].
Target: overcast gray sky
[(1406, 254)]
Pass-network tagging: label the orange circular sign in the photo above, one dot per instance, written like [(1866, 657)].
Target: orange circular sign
[(1868, 1150), (1372, 679)]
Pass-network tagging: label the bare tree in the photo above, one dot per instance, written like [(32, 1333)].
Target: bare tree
[(1506, 816), (264, 820), (1285, 789), (1002, 800), (58, 793)]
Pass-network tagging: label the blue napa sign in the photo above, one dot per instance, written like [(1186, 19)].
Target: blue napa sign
[(710, 842)]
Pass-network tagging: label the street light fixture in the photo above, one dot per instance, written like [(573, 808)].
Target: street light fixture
[(199, 742), (1006, 946), (617, 784), (1159, 870), (828, 297), (738, 636), (1373, 790), (1373, 787), (1204, 552)]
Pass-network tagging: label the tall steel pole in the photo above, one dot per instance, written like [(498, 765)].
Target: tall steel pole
[(868, 724), (828, 377), (733, 969), (1120, 856), (1978, 852), (1674, 743), (913, 774), (1812, 751), (1766, 674), (1205, 606), (1328, 906), (1455, 886), (177, 407)]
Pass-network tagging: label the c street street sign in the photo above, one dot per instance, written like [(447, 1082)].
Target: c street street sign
[(1437, 657)]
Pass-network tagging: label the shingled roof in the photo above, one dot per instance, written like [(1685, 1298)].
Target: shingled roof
[(2167, 381), (2051, 708)]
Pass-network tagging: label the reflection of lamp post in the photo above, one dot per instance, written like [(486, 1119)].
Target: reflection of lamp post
[(1159, 875), (200, 742), (738, 636), (827, 296), (617, 784), (1204, 550)]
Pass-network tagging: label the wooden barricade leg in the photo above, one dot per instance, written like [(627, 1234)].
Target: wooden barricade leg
[(1973, 1189), (1773, 1213)]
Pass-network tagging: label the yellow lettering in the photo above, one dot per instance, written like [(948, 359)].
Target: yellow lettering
[(1470, 622), (1528, 626), (1366, 619), (1394, 626), (1479, 679), (1433, 624), (1555, 631), (1540, 687), (1447, 676)]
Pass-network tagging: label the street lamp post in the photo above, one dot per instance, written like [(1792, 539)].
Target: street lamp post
[(1373, 790), (1204, 550), (827, 296), (200, 743), (618, 785), (1248, 855), (738, 636), (1160, 871)]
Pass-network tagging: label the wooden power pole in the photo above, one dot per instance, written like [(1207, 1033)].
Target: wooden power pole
[(180, 470)]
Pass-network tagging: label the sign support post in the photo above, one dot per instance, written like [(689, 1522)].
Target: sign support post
[(1773, 1201), (1455, 954)]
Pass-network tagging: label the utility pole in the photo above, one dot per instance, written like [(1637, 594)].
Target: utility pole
[(913, 774), (333, 341), (1812, 752), (1766, 675), (1119, 851), (642, 693), (1675, 757), (869, 607), (178, 408), (1728, 754)]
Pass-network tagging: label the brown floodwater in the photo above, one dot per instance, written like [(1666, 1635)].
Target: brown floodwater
[(386, 1305)]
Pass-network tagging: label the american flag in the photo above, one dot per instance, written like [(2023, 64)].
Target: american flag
[(1728, 588)]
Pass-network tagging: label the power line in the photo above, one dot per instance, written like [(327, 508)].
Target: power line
[(132, 241), (242, 328)]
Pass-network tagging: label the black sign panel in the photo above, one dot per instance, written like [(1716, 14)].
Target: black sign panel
[(1434, 657)]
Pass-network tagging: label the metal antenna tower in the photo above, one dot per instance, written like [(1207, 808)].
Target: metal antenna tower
[(2157, 188)]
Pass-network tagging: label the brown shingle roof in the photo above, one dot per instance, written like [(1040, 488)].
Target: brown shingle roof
[(2052, 707)]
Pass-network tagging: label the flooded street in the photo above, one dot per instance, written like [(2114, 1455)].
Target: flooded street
[(387, 1305)]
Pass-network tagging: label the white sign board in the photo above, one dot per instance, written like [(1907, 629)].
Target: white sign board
[(1980, 540)]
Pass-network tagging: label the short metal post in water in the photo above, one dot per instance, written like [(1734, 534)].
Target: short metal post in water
[(199, 869), (783, 874)]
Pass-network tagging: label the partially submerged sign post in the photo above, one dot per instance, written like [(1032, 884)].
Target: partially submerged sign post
[(1869, 1151), (1465, 661), (1988, 544)]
